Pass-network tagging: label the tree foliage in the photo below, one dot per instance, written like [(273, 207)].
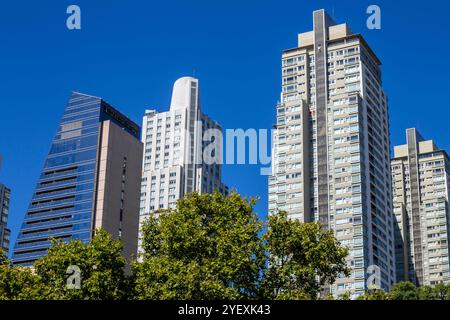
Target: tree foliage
[(209, 247), (302, 258), (3, 258), (377, 294), (214, 247), (100, 263), (18, 283), (408, 291), (101, 274), (404, 291)]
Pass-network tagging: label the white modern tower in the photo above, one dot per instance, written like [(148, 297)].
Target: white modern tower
[(183, 151), (331, 149)]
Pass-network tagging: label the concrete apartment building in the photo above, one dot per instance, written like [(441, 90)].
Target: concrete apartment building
[(5, 233), (174, 145), (330, 157), (421, 184), (90, 180)]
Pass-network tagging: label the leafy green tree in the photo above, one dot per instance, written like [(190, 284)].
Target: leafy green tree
[(438, 292), (346, 296), (408, 291), (3, 258), (441, 292), (18, 283), (207, 248), (302, 258), (425, 293), (214, 247), (404, 291), (101, 267), (377, 294)]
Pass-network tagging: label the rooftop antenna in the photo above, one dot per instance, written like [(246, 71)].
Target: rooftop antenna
[(193, 73), (332, 13)]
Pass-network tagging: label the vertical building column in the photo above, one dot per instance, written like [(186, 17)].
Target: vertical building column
[(192, 128), (306, 174), (415, 204), (320, 54)]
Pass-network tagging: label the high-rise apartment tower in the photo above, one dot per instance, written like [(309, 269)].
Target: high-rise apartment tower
[(331, 161), (5, 233), (176, 143), (421, 184)]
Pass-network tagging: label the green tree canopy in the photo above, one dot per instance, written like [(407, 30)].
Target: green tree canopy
[(100, 265), (17, 283), (404, 291), (375, 295), (438, 292), (3, 258), (302, 258), (408, 291), (214, 247), (207, 248)]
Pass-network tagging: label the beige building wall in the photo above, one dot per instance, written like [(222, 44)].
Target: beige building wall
[(118, 186)]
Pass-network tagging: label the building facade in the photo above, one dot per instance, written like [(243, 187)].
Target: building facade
[(421, 184), (331, 158), (182, 151), (90, 180), (5, 233)]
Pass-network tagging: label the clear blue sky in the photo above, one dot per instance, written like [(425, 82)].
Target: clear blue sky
[(131, 52)]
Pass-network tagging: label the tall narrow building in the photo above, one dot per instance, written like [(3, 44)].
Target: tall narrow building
[(176, 143), (5, 233), (90, 179), (421, 184), (331, 161)]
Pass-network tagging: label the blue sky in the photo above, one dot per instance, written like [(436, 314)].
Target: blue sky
[(130, 53)]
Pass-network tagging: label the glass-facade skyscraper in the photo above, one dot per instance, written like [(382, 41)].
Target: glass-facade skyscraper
[(90, 179)]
